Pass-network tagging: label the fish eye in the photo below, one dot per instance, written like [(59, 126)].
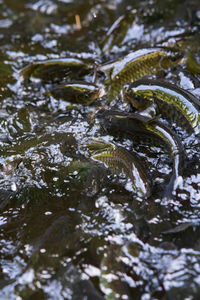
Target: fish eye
[(174, 58), (136, 97)]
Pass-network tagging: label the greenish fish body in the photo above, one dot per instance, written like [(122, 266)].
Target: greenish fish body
[(99, 146), (171, 101), (192, 65), (141, 128), (150, 131), (129, 163), (118, 31), (55, 69), (136, 65), (77, 92)]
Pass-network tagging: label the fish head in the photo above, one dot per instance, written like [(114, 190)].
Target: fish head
[(107, 119), (112, 122), (121, 123), (84, 93), (138, 99), (171, 59)]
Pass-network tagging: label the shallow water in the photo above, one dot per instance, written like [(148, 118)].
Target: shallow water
[(70, 227)]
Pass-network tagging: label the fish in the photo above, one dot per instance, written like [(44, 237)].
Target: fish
[(136, 65), (151, 131), (130, 164), (192, 65), (118, 31), (56, 69), (99, 146), (190, 44), (77, 92), (172, 102)]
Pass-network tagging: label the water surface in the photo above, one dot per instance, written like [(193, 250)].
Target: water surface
[(70, 227)]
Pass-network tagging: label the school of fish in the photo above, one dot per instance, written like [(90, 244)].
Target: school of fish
[(152, 100)]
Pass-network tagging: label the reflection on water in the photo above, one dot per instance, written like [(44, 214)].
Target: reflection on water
[(70, 227)]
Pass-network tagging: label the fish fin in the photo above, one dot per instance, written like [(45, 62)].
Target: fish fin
[(154, 119)]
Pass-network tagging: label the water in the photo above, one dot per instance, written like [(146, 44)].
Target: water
[(70, 227)]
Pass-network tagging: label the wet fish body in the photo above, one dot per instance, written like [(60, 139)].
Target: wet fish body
[(118, 31), (55, 69), (140, 127), (136, 65), (130, 164), (150, 131), (171, 101), (79, 92)]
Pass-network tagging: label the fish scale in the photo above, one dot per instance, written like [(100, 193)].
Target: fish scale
[(154, 131), (172, 102), (129, 163), (136, 65)]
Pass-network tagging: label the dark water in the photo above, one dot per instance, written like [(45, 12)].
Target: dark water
[(71, 228)]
